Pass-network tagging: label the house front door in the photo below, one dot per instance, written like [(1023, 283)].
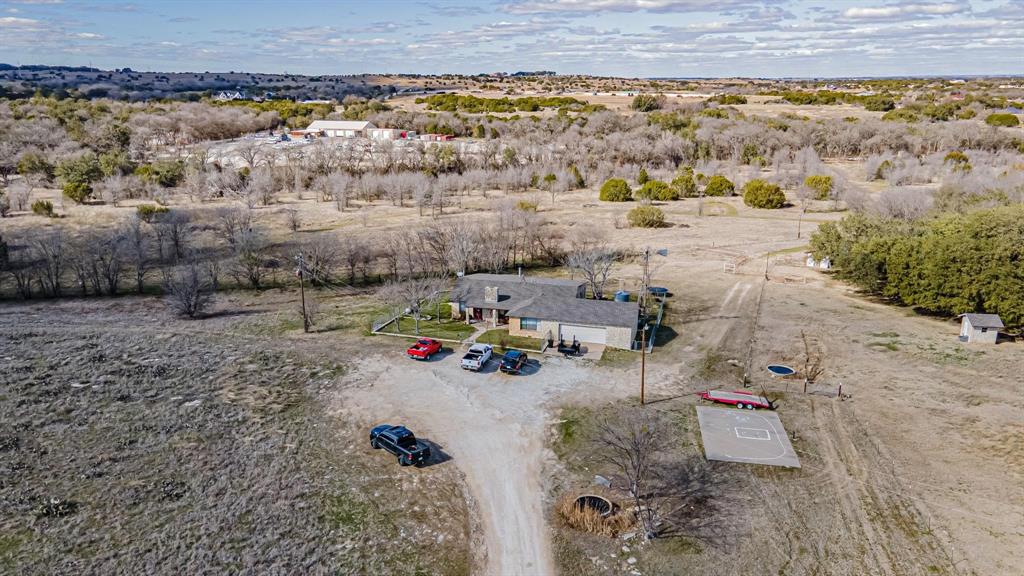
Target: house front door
[(478, 314)]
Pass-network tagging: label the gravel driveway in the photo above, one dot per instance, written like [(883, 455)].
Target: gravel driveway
[(493, 426)]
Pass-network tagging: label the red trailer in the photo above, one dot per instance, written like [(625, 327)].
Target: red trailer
[(738, 398)]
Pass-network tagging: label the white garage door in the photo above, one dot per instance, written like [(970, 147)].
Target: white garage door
[(582, 333)]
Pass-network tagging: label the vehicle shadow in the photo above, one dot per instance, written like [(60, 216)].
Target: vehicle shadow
[(532, 367), (437, 454), (491, 367)]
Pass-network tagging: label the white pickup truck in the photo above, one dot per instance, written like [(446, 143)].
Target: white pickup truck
[(477, 357)]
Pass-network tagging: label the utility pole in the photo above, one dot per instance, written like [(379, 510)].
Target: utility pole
[(644, 289), (301, 273), (643, 360)]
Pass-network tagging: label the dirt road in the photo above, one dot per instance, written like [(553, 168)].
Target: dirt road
[(493, 427)]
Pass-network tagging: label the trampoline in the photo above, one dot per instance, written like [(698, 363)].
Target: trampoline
[(780, 370)]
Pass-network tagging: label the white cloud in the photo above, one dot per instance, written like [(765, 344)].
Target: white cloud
[(892, 11), (591, 6), (15, 22)]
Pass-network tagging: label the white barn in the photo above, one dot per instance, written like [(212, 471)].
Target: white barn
[(340, 128), (982, 328)]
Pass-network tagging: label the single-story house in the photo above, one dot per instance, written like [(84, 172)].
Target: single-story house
[(340, 128), (230, 95), (545, 308), (982, 328)]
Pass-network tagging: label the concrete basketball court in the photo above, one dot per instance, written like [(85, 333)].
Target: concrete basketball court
[(748, 436)]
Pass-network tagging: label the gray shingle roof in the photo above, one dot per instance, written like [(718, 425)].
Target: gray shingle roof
[(984, 320), (544, 299), (513, 290), (580, 311)]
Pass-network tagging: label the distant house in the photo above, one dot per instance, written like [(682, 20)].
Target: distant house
[(544, 308), (982, 328), (230, 95), (340, 128)]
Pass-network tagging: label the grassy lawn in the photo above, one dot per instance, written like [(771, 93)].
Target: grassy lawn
[(501, 340), (451, 329)]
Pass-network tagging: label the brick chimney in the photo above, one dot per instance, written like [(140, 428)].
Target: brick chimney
[(491, 294)]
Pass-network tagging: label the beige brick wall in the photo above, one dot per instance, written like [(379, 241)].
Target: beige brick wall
[(545, 329), (616, 337), (619, 337)]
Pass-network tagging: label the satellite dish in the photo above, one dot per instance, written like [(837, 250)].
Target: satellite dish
[(780, 370)]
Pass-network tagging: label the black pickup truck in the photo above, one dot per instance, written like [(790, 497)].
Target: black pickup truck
[(401, 442)]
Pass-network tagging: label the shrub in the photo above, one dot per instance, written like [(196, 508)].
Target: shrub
[(580, 182), (657, 190), (684, 184), (1002, 119), (5, 205), (729, 99), (715, 113), (642, 177), (43, 208), (78, 191), (646, 217), (966, 114), (883, 170), (760, 194), (719, 185), (879, 103), (645, 103), (901, 115), (820, 184), (166, 173), (616, 190), (187, 291), (149, 211), (526, 206)]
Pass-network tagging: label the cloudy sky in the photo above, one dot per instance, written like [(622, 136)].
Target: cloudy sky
[(635, 38)]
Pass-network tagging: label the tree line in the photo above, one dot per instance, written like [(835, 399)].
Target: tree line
[(949, 264)]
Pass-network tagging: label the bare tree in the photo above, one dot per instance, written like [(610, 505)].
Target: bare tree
[(137, 248), (252, 153), (321, 259), (813, 360), (50, 249), (261, 187), (109, 257), (173, 227), (250, 265), (187, 292), (354, 251), (338, 185), (593, 258), (413, 295), (19, 194), (630, 446), (292, 219), (232, 223)]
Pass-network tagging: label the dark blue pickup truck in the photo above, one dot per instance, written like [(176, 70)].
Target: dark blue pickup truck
[(401, 442)]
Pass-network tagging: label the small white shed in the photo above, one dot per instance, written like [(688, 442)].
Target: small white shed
[(982, 328)]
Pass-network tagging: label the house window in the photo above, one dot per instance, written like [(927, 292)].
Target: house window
[(528, 323)]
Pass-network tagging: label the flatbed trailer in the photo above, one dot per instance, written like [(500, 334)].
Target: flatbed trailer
[(738, 398)]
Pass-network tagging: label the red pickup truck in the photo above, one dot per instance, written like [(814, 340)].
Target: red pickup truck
[(423, 349)]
